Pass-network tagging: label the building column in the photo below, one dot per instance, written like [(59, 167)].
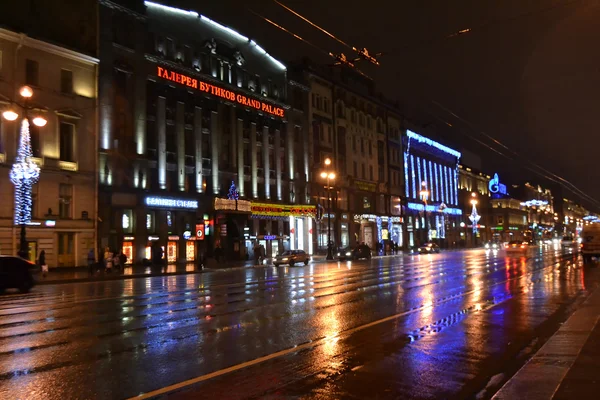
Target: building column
[(233, 134), (254, 161), (278, 162), (266, 162), (240, 155), (290, 157), (161, 127), (305, 154), (214, 141), (198, 139), (180, 137)]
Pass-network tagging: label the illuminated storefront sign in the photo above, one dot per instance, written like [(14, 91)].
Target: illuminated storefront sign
[(366, 186), (209, 88), (170, 202), (233, 205), (432, 208), (534, 203), (496, 187), (280, 210)]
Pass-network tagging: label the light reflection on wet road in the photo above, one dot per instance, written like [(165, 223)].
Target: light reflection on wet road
[(448, 323)]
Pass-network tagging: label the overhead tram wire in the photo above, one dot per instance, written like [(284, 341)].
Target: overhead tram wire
[(573, 188), (362, 53), (339, 58), (544, 172)]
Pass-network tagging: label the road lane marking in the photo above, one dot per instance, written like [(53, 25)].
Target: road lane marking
[(317, 342)]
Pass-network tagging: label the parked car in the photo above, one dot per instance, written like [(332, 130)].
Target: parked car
[(291, 257), (429, 248), (361, 251), (517, 246), (15, 272)]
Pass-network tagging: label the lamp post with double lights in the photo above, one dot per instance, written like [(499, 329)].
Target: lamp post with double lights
[(24, 172), (424, 193), (474, 217), (329, 175)]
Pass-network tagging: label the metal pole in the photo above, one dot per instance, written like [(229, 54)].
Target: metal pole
[(329, 244), (426, 220), (23, 250)]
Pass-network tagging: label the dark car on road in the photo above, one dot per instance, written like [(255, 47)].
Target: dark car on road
[(361, 251), (15, 272), (429, 248), (291, 257)]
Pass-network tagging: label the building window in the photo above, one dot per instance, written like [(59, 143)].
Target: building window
[(362, 146), (65, 197), (150, 221), (127, 221), (370, 172), (353, 143), (66, 81), (500, 219), (355, 169), (66, 141), (31, 72), (329, 134), (362, 167), (370, 149)]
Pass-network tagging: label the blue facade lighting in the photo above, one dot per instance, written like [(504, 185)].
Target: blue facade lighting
[(434, 208), (429, 142)]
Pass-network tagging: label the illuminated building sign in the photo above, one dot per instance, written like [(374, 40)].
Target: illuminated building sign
[(233, 205), (282, 210), (215, 90), (432, 208), (366, 186), (170, 202), (496, 187), (534, 203), (270, 237)]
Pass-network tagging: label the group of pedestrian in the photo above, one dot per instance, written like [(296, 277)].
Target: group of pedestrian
[(112, 260)]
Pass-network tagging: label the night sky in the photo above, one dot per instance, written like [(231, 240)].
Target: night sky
[(527, 73)]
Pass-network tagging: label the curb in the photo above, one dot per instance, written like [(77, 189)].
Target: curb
[(543, 374)]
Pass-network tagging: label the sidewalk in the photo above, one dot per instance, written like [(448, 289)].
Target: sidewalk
[(82, 274), (568, 364)]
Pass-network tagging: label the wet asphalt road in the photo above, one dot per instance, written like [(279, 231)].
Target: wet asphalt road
[(436, 326)]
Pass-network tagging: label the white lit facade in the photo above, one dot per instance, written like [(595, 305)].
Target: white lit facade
[(191, 106)]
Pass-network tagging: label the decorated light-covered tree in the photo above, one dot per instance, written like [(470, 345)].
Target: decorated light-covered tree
[(24, 174), (233, 193)]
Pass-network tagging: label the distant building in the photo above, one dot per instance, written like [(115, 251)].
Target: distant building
[(539, 204), (432, 209), (64, 200), (360, 132), (473, 186)]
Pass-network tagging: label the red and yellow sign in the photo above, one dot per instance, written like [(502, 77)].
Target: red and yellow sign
[(215, 90), (283, 210)]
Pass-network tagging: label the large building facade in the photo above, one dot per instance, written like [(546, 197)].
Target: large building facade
[(194, 135), (64, 211), (359, 132)]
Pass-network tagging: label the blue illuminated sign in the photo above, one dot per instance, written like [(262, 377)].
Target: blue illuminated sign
[(432, 208), (270, 237), (170, 202), (496, 187)]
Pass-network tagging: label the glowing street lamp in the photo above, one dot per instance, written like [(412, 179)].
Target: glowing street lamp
[(24, 172), (330, 176), (474, 217)]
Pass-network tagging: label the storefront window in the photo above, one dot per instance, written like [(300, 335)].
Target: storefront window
[(344, 235), (190, 250), (128, 251), (172, 252)]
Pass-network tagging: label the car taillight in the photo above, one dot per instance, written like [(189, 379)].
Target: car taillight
[(522, 246)]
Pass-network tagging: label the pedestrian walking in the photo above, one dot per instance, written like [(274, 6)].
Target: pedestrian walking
[(117, 261), (108, 257), (91, 260), (42, 263)]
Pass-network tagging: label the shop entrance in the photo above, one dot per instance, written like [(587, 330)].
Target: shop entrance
[(172, 252), (368, 236), (190, 250), (128, 251)]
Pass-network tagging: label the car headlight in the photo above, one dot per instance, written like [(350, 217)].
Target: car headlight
[(284, 259), (348, 253), (495, 246), (487, 246), (338, 254)]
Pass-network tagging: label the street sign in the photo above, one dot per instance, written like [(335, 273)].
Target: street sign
[(200, 231)]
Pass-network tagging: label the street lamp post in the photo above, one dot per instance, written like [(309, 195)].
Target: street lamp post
[(24, 172), (424, 193), (474, 217), (330, 176)]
